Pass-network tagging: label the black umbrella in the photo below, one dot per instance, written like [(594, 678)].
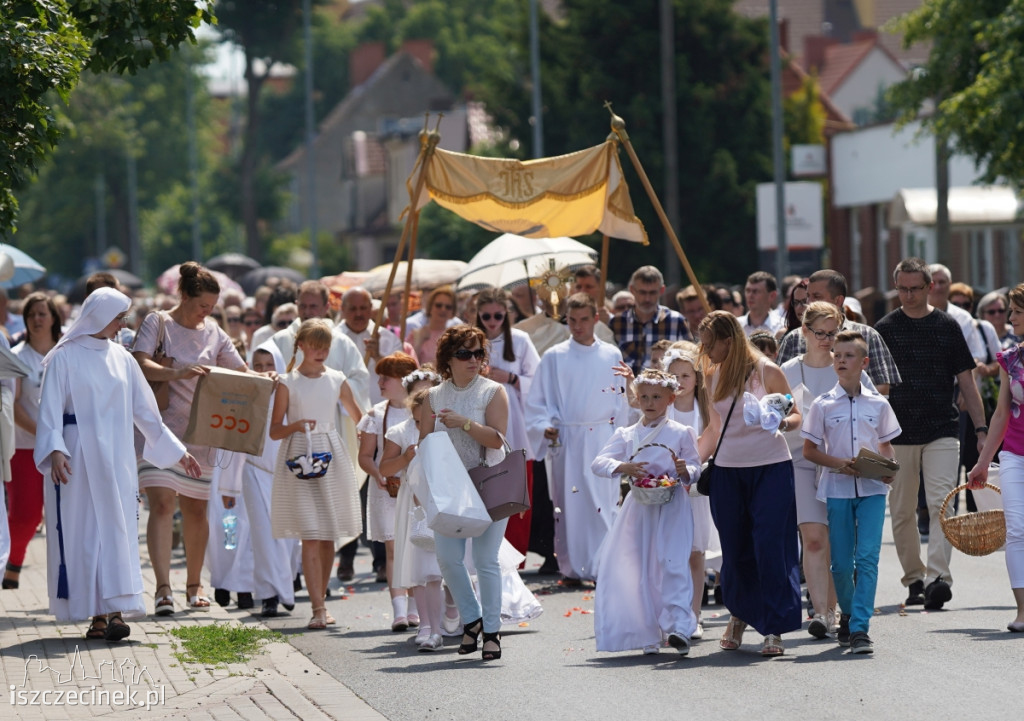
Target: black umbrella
[(252, 280), (232, 265), (128, 280)]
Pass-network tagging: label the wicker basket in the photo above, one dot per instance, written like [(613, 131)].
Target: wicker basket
[(652, 496), (976, 534)]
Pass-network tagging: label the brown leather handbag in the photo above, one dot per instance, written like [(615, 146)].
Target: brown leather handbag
[(161, 389), (502, 487)]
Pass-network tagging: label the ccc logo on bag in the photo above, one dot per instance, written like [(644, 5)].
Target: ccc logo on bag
[(229, 423)]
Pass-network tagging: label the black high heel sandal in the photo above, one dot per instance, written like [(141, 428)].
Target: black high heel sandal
[(11, 583), (473, 631), (491, 654)]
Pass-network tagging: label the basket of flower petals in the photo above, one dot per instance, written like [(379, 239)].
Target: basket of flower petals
[(653, 490)]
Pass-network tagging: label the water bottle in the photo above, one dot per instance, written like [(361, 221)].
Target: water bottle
[(230, 522)]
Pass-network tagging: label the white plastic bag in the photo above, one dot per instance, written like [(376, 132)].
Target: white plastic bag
[(442, 486)]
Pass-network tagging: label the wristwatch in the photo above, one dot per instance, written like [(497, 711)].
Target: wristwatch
[(467, 425), (981, 429)]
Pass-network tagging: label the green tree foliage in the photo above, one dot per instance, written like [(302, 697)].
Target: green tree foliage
[(106, 119), (608, 50), (972, 75), (602, 50), (44, 45), (268, 32)]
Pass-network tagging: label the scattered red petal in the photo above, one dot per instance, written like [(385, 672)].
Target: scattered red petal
[(523, 624), (586, 611), (567, 614)]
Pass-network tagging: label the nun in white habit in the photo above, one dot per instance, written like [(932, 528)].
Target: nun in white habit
[(93, 392)]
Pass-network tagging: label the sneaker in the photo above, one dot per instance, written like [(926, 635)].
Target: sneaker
[(915, 594), (818, 627), (936, 594), (651, 650), (698, 634), (679, 642), (860, 642), (843, 634)]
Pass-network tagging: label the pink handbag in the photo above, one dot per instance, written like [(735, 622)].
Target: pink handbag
[(502, 487)]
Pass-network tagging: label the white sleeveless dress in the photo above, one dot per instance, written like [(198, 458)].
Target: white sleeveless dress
[(316, 509)]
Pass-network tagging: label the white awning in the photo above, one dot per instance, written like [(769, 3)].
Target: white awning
[(972, 205)]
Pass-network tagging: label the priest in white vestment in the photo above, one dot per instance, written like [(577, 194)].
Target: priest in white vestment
[(356, 324), (92, 395), (577, 401)]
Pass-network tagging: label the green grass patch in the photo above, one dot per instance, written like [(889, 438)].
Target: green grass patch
[(218, 644)]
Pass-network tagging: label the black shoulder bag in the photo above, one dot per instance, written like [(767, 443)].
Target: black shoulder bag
[(704, 482)]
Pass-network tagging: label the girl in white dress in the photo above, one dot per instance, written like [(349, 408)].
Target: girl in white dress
[(415, 567), (380, 509), (644, 586), (512, 360), (690, 408), (318, 510)]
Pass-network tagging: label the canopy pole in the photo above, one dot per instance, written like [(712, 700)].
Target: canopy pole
[(619, 128), (408, 270), (428, 141), (604, 273)]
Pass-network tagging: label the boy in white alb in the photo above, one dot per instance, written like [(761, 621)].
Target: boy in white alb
[(839, 423)]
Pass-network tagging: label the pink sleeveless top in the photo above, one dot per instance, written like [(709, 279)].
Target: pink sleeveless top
[(748, 446)]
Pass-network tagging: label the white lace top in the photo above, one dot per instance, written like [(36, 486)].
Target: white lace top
[(470, 402)]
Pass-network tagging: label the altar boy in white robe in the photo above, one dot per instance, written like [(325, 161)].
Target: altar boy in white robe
[(93, 392), (574, 406)]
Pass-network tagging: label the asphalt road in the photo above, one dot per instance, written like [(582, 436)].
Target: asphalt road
[(959, 662)]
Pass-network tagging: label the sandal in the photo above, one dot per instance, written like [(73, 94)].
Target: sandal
[(733, 636), (11, 582), (772, 645), (164, 604), (97, 631), (472, 630), (195, 601), (494, 652), (328, 618), (116, 628), (319, 620)]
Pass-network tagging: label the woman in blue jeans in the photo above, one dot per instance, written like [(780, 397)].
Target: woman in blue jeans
[(473, 411)]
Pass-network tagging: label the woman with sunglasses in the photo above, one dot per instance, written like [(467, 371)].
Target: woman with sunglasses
[(439, 310), (473, 410), (993, 307), (513, 361)]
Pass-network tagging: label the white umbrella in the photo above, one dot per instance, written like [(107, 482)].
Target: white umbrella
[(511, 260), (25, 268), (426, 275)]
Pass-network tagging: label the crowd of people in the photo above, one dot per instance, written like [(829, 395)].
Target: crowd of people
[(768, 404)]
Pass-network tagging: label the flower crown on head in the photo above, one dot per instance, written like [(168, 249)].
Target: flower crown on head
[(653, 377), (674, 354), (420, 375)]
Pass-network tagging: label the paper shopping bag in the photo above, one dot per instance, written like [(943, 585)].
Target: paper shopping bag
[(441, 484), (229, 411)]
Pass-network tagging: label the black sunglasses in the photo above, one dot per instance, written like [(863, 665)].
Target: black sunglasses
[(487, 316), (282, 324), (464, 354)]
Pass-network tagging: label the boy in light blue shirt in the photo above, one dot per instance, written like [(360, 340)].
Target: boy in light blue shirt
[(838, 424)]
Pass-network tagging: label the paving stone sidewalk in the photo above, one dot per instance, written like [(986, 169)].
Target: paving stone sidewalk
[(50, 671)]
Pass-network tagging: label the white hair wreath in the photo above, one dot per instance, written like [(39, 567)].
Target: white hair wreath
[(420, 375)]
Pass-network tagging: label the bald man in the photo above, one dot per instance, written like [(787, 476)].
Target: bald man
[(357, 324)]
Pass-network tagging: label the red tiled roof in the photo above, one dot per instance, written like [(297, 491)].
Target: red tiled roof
[(840, 61)]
